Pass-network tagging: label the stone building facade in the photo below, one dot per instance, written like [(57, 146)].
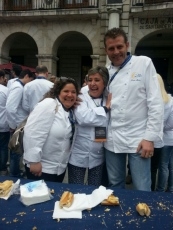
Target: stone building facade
[(67, 35)]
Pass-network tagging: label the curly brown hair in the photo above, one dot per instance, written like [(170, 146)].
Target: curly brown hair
[(59, 85)]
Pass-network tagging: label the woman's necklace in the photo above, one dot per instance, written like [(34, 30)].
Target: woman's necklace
[(98, 103)]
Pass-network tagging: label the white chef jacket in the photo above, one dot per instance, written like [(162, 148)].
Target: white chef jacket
[(15, 112), (168, 127), (136, 106), (167, 111), (10, 82), (4, 127), (47, 137), (34, 92), (85, 152), (84, 89)]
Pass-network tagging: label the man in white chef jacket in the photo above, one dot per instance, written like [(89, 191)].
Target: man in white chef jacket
[(4, 127), (16, 114), (34, 91), (15, 72), (136, 113)]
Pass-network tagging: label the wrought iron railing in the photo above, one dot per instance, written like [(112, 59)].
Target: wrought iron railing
[(146, 2), (18, 5)]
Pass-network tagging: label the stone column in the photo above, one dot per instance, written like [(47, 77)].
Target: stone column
[(95, 59), (131, 49), (114, 18), (4, 59), (114, 21), (49, 61)]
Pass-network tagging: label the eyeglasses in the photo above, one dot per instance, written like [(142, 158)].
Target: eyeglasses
[(64, 79)]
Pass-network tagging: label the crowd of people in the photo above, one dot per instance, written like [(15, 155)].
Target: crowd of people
[(123, 112)]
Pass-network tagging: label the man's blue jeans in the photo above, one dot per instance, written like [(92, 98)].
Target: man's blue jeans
[(165, 173), (4, 139), (15, 164), (139, 166)]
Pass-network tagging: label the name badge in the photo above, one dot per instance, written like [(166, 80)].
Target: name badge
[(100, 134)]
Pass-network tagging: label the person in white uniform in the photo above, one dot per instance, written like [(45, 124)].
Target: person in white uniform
[(48, 133), (158, 146), (165, 164), (87, 152), (15, 72), (4, 127), (35, 91), (16, 114), (136, 115)]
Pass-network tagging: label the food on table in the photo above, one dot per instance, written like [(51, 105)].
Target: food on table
[(66, 199), (5, 187), (143, 209), (111, 200)]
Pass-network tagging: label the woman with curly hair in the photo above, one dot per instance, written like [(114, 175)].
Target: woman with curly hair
[(48, 133)]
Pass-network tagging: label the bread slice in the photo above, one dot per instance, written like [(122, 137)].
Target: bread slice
[(66, 200), (111, 200), (143, 209), (5, 187)]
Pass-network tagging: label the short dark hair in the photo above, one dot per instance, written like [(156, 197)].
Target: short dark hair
[(25, 72), (59, 85), (41, 69), (103, 71), (114, 33), (17, 69), (2, 73)]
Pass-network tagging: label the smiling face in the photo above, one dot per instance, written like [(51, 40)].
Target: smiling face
[(96, 85), (68, 95), (116, 49)]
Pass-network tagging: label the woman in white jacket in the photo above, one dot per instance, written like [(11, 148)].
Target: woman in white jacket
[(165, 170), (48, 132), (91, 113), (158, 146)]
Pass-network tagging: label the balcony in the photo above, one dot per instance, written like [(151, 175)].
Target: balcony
[(151, 8), (34, 10), (150, 2), (26, 5)]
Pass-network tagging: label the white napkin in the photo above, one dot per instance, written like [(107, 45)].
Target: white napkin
[(63, 214), (82, 202), (34, 192)]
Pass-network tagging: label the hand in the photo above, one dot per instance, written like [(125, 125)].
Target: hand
[(36, 169), (146, 148), (108, 101), (77, 102)]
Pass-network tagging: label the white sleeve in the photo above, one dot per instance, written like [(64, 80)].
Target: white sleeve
[(89, 116), (37, 129), (154, 128), (13, 101), (3, 112), (25, 100), (168, 124)]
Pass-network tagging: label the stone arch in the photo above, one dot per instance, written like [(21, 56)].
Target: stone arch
[(74, 51), (20, 44), (158, 45)]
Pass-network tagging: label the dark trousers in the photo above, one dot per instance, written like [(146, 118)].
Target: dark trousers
[(154, 166), (76, 175), (44, 176), (4, 139)]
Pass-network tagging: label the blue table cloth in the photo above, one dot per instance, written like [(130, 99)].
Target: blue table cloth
[(14, 215)]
